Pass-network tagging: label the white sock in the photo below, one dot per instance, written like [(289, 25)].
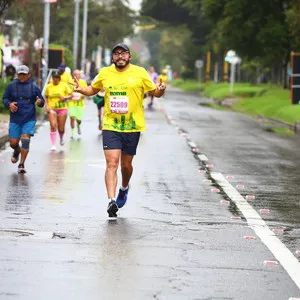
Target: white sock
[(124, 188), (111, 199)]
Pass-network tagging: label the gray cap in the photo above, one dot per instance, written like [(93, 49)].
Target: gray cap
[(120, 45), (22, 69)]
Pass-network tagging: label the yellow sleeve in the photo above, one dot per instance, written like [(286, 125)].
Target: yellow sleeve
[(97, 82)]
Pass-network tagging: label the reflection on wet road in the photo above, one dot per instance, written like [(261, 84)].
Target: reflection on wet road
[(266, 164), (176, 238)]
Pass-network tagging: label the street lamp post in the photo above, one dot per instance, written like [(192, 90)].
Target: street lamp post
[(46, 40), (76, 29), (84, 31)]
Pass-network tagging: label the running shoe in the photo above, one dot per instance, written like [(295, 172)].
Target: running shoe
[(15, 157), (78, 129), (112, 209), (53, 148), (122, 197), (21, 169)]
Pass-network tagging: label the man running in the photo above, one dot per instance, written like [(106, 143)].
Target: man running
[(125, 85), (76, 105), (20, 97)]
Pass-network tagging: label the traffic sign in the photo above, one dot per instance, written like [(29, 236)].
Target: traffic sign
[(232, 58), (199, 64)]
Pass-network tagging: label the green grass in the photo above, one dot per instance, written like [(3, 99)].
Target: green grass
[(270, 101), (274, 103), (188, 85), (241, 90), (3, 86), (283, 131)]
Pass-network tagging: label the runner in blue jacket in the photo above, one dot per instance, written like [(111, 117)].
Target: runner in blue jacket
[(20, 97)]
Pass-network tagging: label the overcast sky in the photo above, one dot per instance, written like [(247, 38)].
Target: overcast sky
[(135, 4)]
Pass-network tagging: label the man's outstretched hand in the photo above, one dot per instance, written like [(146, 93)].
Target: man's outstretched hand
[(161, 86), (76, 86)]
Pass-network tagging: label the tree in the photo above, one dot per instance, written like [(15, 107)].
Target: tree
[(4, 4), (175, 14), (103, 22), (257, 30)]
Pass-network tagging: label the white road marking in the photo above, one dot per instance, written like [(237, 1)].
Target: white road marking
[(286, 258), (192, 145), (202, 157)]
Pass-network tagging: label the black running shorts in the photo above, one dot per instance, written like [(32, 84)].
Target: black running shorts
[(126, 141)]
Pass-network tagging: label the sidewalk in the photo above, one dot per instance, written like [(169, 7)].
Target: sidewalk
[(4, 119)]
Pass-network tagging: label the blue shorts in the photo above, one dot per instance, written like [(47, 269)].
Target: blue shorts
[(16, 130), (126, 141)]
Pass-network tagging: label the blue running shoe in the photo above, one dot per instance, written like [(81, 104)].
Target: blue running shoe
[(122, 197)]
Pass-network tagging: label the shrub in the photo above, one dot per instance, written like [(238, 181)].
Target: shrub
[(3, 86)]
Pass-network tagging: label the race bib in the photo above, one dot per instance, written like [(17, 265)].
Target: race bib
[(118, 104), (76, 96)]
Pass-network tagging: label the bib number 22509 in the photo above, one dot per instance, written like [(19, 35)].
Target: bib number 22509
[(118, 104)]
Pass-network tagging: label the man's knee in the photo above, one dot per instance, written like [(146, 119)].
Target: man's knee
[(112, 163), (25, 143), (126, 162), (14, 143)]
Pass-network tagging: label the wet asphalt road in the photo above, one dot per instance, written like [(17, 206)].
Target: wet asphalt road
[(265, 163), (174, 239)]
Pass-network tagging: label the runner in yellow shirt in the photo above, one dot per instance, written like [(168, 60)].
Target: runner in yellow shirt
[(76, 105), (64, 76), (125, 85), (57, 94), (163, 76)]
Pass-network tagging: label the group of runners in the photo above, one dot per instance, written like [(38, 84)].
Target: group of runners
[(120, 88), (61, 100)]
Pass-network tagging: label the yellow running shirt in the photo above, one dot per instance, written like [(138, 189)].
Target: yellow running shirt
[(124, 95), (65, 77), (54, 92), (164, 78), (77, 99)]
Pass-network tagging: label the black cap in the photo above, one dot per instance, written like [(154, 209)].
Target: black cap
[(120, 45), (55, 74)]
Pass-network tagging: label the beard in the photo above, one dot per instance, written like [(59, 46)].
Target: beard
[(121, 65)]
